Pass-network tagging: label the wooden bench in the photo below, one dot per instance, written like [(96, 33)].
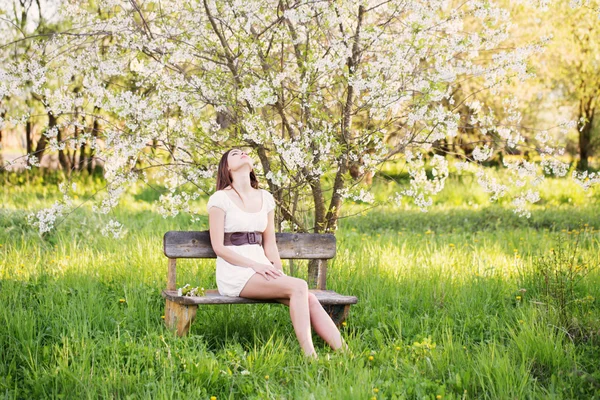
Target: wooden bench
[(180, 311)]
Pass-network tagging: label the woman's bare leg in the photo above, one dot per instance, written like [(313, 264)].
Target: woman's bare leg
[(287, 287), (322, 323)]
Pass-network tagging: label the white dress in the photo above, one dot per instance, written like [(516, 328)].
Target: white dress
[(231, 278)]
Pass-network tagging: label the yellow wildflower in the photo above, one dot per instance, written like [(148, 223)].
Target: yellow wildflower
[(344, 323), (438, 397), (518, 298), (371, 358), (213, 397), (375, 390), (121, 300), (267, 377)]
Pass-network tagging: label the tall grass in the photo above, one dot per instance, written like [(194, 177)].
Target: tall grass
[(450, 306)]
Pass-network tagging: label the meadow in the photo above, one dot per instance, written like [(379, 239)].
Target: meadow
[(464, 301)]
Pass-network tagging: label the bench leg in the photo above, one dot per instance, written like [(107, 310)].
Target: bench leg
[(337, 312), (179, 316)]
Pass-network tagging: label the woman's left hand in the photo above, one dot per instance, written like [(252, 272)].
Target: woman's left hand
[(277, 266)]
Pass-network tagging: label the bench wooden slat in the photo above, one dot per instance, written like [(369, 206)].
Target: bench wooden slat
[(326, 297), (196, 244)]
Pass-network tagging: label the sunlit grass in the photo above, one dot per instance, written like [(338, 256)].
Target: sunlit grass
[(444, 308)]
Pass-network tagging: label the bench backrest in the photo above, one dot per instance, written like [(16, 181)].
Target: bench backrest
[(196, 244), (318, 247)]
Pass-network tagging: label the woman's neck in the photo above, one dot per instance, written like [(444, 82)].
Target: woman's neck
[(241, 181)]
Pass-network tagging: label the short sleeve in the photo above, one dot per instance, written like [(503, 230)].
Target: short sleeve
[(217, 200), (270, 201)]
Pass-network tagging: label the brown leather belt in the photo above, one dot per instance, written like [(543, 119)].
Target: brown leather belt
[(240, 238)]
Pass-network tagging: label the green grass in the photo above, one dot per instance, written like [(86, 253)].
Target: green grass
[(450, 304)]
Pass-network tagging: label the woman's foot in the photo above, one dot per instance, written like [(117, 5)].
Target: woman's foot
[(312, 356)]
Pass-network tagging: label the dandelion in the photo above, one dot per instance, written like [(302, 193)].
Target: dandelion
[(121, 300), (517, 256), (266, 377), (428, 232), (438, 397), (213, 397), (371, 358), (451, 245), (375, 390), (397, 347), (518, 298), (162, 316), (521, 321), (515, 250), (344, 323)]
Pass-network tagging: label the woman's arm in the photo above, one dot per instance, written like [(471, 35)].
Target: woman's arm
[(269, 243)]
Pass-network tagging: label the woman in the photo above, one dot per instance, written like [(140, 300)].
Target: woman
[(248, 265)]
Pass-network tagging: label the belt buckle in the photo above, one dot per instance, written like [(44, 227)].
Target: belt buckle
[(251, 237)]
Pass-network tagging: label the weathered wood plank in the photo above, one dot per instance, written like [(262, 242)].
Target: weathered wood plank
[(180, 316), (196, 244), (326, 297), (337, 312), (172, 274), (317, 274)]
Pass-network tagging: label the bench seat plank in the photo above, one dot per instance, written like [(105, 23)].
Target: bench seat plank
[(326, 297)]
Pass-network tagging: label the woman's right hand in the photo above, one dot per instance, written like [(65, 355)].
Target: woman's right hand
[(268, 271)]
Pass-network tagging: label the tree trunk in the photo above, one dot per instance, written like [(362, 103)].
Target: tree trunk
[(29, 136), (586, 121), (41, 144), (63, 156), (95, 128)]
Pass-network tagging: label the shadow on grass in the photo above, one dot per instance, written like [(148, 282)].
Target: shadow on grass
[(472, 220)]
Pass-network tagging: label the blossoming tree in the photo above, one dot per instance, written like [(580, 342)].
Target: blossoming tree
[(323, 92)]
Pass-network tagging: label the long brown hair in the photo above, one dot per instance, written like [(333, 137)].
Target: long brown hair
[(224, 177)]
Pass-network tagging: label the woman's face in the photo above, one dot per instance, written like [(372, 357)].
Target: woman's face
[(237, 158)]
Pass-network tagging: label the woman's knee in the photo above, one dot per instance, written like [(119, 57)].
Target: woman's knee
[(299, 286), (312, 300)]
